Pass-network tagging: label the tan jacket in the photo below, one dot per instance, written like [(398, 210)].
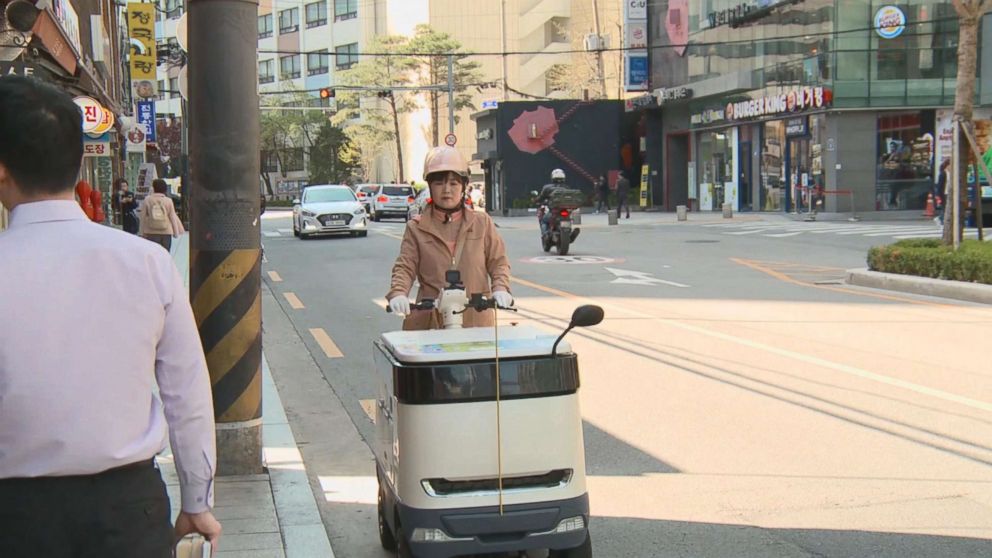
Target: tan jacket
[(425, 256), (172, 225)]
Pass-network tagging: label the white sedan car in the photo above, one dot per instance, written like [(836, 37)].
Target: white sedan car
[(329, 209)]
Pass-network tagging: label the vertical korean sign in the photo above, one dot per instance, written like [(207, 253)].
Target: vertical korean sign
[(141, 38), (636, 72), (146, 118)]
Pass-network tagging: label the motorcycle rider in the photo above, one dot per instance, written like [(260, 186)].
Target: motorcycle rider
[(445, 236), (544, 201)]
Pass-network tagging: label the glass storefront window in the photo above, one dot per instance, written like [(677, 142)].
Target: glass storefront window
[(773, 166), (905, 160), (716, 167)]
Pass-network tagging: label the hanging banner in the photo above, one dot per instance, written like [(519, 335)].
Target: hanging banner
[(141, 38), (146, 118), (136, 138)]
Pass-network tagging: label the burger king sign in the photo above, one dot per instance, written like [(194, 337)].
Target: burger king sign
[(890, 22)]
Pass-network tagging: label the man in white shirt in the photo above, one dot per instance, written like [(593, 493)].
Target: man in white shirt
[(92, 320)]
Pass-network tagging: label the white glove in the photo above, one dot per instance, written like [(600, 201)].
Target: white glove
[(503, 299), (400, 305)]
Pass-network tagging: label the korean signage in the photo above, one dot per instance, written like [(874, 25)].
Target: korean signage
[(672, 94), (141, 37), (92, 112), (97, 147), (68, 20), (890, 22), (796, 100), (736, 14), (635, 9), (637, 72), (146, 118), (643, 101), (17, 69), (797, 127), (637, 34), (136, 138)]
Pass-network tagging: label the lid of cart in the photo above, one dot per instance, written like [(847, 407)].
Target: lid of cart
[(474, 343)]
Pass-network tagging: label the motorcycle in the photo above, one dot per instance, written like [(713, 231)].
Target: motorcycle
[(560, 232), (462, 467)]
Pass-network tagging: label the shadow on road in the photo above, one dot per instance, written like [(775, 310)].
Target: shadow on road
[(614, 457)]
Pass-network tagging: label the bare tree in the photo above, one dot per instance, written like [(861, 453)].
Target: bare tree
[(970, 14)]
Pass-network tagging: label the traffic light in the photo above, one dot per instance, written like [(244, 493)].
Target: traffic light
[(327, 93)]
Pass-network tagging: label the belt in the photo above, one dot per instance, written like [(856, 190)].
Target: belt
[(128, 468)]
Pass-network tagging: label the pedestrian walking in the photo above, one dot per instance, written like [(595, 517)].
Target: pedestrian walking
[(159, 222), (623, 188), (128, 207), (603, 191), (100, 360), (940, 192)]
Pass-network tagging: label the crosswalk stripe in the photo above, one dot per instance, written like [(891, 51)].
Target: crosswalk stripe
[(921, 230), (285, 231), (784, 235), (271, 234), (749, 231)]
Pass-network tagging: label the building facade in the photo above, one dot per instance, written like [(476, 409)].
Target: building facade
[(77, 46), (777, 106)]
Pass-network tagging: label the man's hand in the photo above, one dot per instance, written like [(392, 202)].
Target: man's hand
[(202, 523)]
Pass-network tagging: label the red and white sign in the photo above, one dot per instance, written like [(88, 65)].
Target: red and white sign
[(96, 149), (792, 101), (92, 113), (450, 140), (637, 34)]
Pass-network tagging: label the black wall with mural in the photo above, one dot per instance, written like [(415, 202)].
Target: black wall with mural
[(586, 144)]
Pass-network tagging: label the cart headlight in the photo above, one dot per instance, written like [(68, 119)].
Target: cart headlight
[(308, 213), (360, 211), (576, 523), (422, 535)]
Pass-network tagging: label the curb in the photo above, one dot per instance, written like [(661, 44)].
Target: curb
[(926, 286)]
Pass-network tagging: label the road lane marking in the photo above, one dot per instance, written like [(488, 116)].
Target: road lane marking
[(271, 234), (630, 277), (750, 231), (294, 302), (274, 276), (326, 343), (784, 235), (809, 359)]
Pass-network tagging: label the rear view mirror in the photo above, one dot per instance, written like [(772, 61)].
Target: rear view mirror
[(296, 201), (586, 316)]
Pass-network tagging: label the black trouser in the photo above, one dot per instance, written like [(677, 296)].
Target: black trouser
[(164, 239), (622, 204), (122, 512)]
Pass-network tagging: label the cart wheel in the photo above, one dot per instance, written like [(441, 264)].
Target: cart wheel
[(385, 533), (584, 550)]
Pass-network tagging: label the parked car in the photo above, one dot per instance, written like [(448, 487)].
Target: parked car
[(365, 194), (393, 200), (419, 203), (327, 209)]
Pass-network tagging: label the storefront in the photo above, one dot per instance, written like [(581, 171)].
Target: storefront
[(769, 157)]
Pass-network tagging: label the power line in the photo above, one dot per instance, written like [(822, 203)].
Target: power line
[(627, 49)]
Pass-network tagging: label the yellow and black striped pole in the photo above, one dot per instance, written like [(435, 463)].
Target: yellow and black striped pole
[(225, 257)]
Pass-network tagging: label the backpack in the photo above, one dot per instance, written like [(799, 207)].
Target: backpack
[(159, 215)]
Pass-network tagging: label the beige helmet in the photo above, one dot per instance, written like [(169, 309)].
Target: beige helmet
[(445, 159)]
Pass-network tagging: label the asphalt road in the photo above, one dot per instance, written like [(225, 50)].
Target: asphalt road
[(738, 399)]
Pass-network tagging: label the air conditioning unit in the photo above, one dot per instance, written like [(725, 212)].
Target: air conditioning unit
[(593, 42)]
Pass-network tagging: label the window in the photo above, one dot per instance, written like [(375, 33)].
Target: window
[(346, 56), (345, 9), (266, 71), (905, 160), (316, 14), (397, 191), (289, 67), (292, 160), (325, 195), (289, 21), (174, 87), (270, 163), (161, 90), (265, 26), (173, 8), (318, 62)]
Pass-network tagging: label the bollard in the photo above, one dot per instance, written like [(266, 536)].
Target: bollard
[(613, 216), (681, 212), (728, 211)]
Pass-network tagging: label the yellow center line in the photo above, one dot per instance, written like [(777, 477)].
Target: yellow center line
[(294, 302), (326, 343), (275, 277)]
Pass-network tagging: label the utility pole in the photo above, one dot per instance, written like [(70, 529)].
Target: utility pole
[(451, 94), (225, 259), (600, 75), (502, 15)]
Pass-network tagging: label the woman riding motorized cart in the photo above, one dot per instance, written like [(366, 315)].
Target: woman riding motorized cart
[(478, 431)]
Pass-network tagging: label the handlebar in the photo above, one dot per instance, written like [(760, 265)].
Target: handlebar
[(478, 302), (426, 304)]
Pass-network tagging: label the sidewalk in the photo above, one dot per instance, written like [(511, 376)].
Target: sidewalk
[(271, 515)]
